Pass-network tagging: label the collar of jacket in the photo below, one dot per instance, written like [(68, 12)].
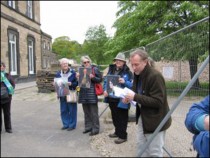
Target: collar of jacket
[(66, 71)]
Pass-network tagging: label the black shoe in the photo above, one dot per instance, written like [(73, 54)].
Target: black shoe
[(113, 135), (8, 130), (86, 131), (63, 128), (70, 129), (93, 133), (119, 141)]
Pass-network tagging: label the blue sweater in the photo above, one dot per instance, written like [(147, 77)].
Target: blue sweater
[(201, 137)]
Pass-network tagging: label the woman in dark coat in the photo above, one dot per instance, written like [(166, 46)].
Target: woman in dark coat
[(119, 110), (89, 99), (8, 82)]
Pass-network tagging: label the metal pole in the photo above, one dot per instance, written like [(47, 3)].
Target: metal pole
[(103, 111), (167, 152), (176, 103)]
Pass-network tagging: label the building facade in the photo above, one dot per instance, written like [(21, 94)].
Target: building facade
[(22, 40)]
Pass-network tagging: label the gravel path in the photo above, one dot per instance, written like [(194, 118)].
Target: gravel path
[(178, 139)]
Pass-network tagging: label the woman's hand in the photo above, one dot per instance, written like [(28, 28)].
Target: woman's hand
[(91, 76), (69, 83), (121, 80), (105, 94), (125, 100), (77, 75)]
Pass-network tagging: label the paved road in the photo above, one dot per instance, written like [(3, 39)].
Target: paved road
[(36, 128)]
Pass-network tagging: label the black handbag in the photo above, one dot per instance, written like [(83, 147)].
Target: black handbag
[(4, 93)]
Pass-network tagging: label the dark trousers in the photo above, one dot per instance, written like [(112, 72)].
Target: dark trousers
[(91, 117), (6, 108), (120, 119)]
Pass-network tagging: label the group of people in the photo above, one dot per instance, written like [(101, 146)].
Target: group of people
[(149, 93)]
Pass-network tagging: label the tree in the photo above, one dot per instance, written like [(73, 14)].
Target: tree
[(64, 47), (94, 44), (142, 22)]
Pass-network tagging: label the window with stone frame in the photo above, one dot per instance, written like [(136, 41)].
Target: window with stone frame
[(44, 45), (11, 4), (30, 9), (48, 45), (31, 55), (13, 55)]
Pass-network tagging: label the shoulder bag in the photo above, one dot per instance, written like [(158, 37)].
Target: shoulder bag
[(72, 96), (98, 87)]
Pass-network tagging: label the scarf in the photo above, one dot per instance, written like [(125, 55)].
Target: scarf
[(7, 83)]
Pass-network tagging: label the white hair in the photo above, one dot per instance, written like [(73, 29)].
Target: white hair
[(64, 60)]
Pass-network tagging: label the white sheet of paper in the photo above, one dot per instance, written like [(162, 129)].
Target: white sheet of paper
[(119, 92)]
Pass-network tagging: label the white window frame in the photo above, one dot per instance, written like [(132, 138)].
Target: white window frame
[(30, 9), (11, 4), (13, 53), (44, 45), (31, 56), (48, 46)]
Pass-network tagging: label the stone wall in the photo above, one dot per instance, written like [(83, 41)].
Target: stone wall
[(180, 71), (177, 71)]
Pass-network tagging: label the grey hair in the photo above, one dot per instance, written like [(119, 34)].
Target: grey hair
[(140, 52), (151, 62), (85, 57), (63, 60)]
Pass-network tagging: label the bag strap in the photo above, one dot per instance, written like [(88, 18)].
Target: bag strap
[(93, 71)]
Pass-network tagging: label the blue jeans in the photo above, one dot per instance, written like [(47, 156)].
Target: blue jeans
[(68, 113)]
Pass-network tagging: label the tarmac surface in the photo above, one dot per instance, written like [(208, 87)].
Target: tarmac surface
[(37, 130), (37, 126)]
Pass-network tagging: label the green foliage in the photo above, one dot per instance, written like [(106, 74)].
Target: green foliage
[(94, 44), (142, 22), (176, 88), (63, 47)]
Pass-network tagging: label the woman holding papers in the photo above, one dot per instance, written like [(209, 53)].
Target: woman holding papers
[(119, 110), (88, 97), (65, 80)]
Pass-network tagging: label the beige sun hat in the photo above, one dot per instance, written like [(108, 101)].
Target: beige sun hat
[(120, 56), (71, 62)]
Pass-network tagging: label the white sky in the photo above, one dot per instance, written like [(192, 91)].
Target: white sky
[(73, 18)]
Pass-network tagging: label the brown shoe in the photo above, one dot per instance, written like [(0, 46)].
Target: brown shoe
[(113, 135), (119, 141)]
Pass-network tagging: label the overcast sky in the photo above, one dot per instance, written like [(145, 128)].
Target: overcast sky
[(73, 18)]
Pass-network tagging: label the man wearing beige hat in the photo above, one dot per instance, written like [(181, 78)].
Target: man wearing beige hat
[(119, 110)]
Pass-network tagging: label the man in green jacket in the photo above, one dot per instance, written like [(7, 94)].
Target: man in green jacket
[(152, 106)]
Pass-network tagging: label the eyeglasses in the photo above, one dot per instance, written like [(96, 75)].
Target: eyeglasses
[(85, 62)]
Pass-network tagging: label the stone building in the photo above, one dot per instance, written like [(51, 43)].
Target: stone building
[(25, 48), (48, 58)]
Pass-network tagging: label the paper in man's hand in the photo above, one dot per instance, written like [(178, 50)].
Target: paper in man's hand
[(119, 92)]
